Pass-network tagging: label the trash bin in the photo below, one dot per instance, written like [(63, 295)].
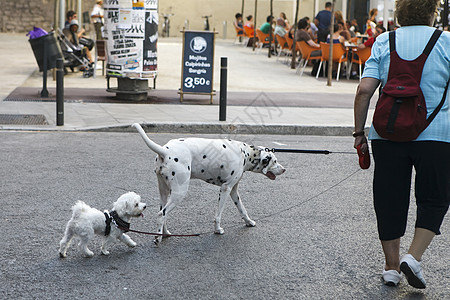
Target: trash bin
[(53, 50)]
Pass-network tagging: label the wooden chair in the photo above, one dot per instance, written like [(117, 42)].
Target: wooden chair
[(339, 55), (100, 54), (284, 46), (362, 55), (306, 50), (263, 39)]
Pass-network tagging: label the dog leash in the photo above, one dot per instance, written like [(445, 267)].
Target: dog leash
[(158, 234), (326, 152)]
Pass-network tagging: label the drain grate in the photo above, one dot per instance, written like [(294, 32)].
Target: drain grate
[(23, 120)]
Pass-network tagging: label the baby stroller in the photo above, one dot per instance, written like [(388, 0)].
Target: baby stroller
[(74, 56)]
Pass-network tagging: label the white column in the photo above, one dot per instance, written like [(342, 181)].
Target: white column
[(316, 8), (80, 13), (385, 14), (62, 13), (344, 9)]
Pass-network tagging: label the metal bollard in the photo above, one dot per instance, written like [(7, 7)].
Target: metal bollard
[(224, 30), (223, 89), (44, 92), (59, 92)]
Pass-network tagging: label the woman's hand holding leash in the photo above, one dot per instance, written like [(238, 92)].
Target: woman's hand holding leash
[(362, 149)]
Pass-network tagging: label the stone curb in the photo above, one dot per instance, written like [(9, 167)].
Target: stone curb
[(202, 128)]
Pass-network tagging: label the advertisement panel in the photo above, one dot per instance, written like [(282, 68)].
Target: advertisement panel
[(198, 62), (131, 34)]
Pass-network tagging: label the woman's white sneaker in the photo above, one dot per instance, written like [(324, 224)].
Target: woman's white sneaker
[(413, 272), (391, 277)]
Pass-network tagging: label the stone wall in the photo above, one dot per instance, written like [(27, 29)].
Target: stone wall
[(22, 15)]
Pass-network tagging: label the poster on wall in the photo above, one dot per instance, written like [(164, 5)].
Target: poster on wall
[(131, 35)]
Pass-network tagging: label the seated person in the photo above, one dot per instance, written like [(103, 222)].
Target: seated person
[(302, 35), (72, 35), (238, 25), (379, 29), (337, 37), (281, 26), (354, 26), (249, 25), (344, 32), (70, 15), (266, 27)]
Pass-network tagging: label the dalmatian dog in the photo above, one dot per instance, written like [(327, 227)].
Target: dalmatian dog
[(217, 161)]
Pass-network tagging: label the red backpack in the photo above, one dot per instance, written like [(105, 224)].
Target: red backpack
[(401, 111)]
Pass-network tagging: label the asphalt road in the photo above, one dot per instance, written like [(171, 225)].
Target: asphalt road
[(315, 236)]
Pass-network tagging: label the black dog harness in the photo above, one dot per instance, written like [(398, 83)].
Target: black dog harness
[(114, 218)]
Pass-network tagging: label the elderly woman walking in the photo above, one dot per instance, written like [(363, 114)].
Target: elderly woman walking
[(428, 153)]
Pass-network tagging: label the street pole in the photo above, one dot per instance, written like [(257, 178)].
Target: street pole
[(254, 25), (294, 52), (223, 89), (59, 92), (270, 31), (445, 16), (330, 59)]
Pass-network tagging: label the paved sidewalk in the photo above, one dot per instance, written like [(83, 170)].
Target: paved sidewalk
[(265, 96)]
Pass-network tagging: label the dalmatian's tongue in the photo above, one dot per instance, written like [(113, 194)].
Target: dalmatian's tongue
[(271, 175)]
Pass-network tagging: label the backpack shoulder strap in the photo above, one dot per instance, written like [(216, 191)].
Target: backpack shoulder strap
[(392, 41), (438, 108), (436, 34)]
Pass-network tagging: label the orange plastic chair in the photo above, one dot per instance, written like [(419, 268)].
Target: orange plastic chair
[(339, 55), (263, 39), (362, 56), (239, 35), (289, 41), (249, 32), (284, 46), (306, 50)]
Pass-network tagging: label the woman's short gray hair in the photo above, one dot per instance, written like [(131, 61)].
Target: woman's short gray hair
[(415, 12)]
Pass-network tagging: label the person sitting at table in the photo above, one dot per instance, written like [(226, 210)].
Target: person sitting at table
[(249, 22), (354, 26), (337, 37), (266, 27), (379, 29), (238, 25), (302, 35), (282, 25)]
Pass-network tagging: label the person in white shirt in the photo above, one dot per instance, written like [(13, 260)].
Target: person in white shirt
[(97, 18)]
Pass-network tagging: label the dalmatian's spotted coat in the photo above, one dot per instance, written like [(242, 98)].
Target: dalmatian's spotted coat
[(216, 161)]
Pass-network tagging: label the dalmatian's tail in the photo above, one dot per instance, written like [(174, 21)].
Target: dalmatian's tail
[(151, 144)]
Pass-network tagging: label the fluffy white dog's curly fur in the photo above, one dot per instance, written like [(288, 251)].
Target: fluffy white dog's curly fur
[(87, 221)]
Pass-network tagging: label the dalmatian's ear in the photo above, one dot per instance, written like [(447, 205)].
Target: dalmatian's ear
[(265, 163)]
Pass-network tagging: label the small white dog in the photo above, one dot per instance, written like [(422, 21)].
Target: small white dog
[(87, 221)]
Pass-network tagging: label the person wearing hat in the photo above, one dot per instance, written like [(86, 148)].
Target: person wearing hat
[(74, 37), (97, 18)]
